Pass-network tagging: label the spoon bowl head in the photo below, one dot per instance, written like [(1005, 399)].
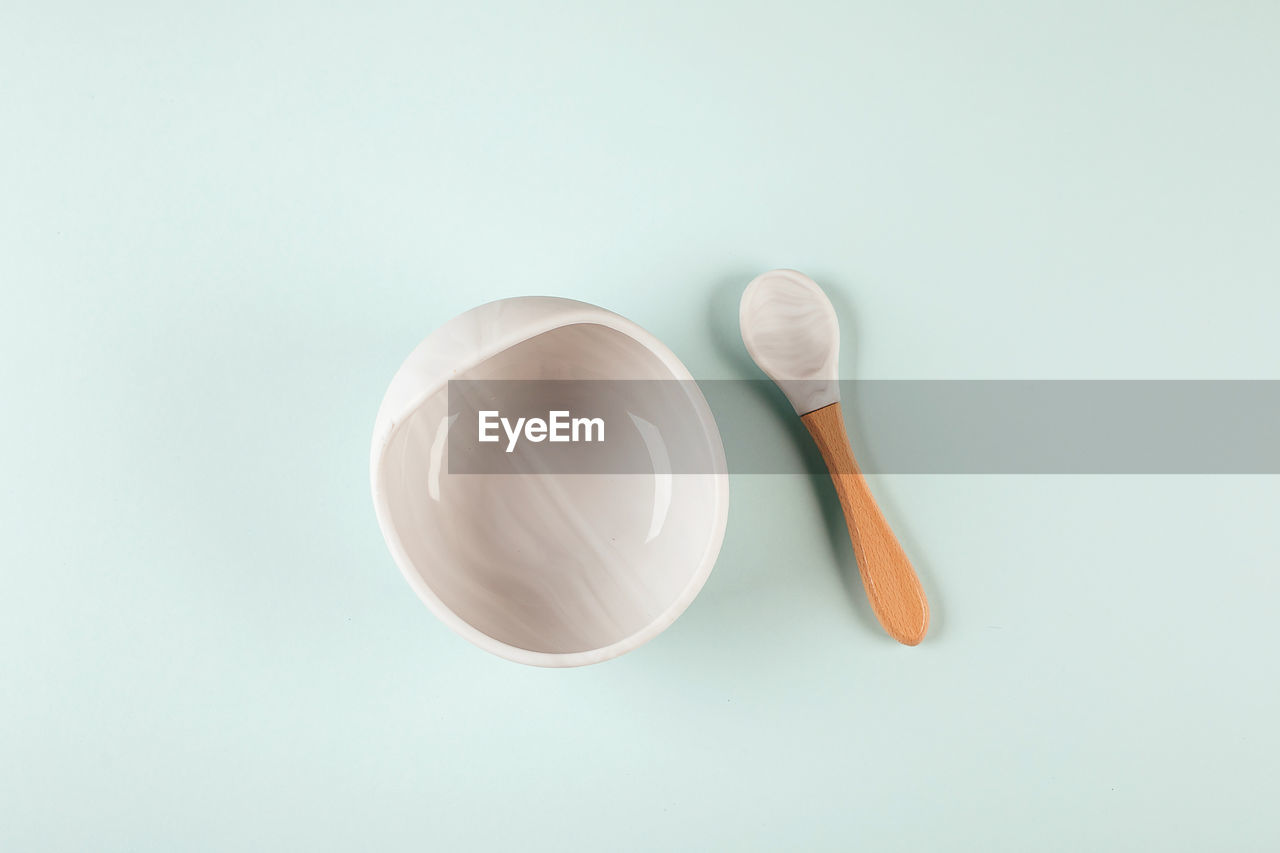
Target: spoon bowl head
[(791, 331)]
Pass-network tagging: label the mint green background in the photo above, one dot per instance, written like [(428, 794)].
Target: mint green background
[(223, 225)]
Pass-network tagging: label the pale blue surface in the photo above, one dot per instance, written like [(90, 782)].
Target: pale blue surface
[(222, 226)]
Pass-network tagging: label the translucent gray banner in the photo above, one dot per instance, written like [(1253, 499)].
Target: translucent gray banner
[(896, 426)]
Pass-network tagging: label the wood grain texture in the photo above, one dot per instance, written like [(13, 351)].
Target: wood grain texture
[(891, 582)]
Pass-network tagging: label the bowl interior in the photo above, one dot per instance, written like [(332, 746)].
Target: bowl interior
[(556, 562)]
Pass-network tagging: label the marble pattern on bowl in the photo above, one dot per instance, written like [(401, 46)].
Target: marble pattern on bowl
[(545, 568)]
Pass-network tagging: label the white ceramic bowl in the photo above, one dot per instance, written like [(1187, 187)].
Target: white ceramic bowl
[(547, 569)]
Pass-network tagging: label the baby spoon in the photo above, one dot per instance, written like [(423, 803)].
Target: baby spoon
[(792, 332)]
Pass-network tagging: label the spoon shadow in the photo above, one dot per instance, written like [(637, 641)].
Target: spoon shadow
[(902, 529), (835, 517)]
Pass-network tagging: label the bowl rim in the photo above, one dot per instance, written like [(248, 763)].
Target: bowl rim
[(551, 313)]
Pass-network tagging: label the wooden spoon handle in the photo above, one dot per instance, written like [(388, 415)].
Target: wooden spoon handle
[(892, 585)]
